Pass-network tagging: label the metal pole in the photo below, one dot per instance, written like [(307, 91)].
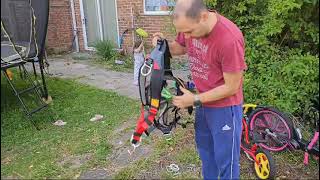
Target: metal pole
[(74, 25)]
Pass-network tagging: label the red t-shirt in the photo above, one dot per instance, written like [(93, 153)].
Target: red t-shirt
[(221, 51)]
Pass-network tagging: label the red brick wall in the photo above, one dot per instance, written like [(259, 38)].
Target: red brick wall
[(59, 34), (150, 23)]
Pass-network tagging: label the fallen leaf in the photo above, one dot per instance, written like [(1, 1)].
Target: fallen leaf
[(76, 176), (6, 160), (97, 117), (59, 123)]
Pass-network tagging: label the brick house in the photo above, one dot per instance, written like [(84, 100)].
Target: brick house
[(77, 24)]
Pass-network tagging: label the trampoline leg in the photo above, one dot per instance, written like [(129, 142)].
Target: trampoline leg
[(45, 90), (32, 83), (16, 93), (33, 88), (33, 123), (20, 72), (34, 70)]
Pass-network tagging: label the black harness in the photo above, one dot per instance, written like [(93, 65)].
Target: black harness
[(154, 84)]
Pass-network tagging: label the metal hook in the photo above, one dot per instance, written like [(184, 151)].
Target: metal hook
[(146, 66), (134, 146), (168, 136)]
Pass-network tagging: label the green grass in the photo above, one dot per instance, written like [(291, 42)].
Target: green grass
[(175, 150), (176, 64), (28, 153), (181, 151), (111, 65)]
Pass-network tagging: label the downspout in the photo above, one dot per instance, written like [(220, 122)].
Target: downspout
[(74, 25), (132, 27)]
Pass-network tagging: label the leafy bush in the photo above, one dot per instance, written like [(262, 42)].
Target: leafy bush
[(287, 80), (106, 50), (282, 50)]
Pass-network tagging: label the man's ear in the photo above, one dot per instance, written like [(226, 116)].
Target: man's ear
[(204, 15)]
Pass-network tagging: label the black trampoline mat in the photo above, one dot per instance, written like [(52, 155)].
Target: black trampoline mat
[(8, 52)]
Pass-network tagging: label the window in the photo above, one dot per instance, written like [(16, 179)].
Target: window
[(158, 7)]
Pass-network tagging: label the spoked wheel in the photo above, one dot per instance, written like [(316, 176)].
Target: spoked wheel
[(271, 129), (265, 168)]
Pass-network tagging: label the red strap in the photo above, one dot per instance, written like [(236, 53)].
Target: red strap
[(153, 111), (156, 66), (142, 125)]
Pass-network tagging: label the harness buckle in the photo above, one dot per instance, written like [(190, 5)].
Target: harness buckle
[(134, 145), (149, 68), (173, 168), (167, 136)]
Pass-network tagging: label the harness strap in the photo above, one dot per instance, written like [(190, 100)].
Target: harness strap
[(157, 69), (137, 134), (148, 121)]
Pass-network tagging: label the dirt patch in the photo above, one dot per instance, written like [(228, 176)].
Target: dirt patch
[(286, 167), (84, 72), (75, 162), (120, 158), (95, 174), (6, 160), (11, 177)]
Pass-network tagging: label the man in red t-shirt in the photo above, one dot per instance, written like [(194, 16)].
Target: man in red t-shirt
[(215, 49)]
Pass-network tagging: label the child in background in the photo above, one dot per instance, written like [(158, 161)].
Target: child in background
[(138, 60)]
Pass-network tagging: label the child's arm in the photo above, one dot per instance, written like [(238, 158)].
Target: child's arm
[(139, 49)]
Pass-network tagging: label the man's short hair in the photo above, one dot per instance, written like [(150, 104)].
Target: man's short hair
[(193, 11)]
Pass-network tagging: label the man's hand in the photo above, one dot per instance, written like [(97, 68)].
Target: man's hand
[(185, 100), (157, 36), (175, 48)]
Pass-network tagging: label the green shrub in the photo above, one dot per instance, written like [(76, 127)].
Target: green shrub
[(287, 80), (282, 50), (106, 50)]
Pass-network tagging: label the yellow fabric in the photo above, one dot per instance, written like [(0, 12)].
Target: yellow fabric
[(141, 32)]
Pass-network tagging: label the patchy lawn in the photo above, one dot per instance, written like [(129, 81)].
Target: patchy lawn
[(82, 146), (111, 65), (60, 152), (182, 152)]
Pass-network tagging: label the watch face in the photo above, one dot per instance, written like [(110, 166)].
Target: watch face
[(197, 103)]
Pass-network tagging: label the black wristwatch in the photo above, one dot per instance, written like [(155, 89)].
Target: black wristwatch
[(197, 102)]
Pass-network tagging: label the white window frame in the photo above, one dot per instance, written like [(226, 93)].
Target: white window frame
[(155, 13)]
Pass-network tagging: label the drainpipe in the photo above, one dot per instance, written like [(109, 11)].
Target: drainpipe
[(74, 25), (132, 26)]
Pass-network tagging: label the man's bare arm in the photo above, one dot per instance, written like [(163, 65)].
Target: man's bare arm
[(176, 49), (229, 88)]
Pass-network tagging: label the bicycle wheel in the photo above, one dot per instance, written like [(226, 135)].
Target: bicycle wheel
[(266, 168), (270, 128)]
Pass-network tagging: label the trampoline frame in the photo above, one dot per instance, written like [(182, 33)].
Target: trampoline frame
[(20, 61)]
